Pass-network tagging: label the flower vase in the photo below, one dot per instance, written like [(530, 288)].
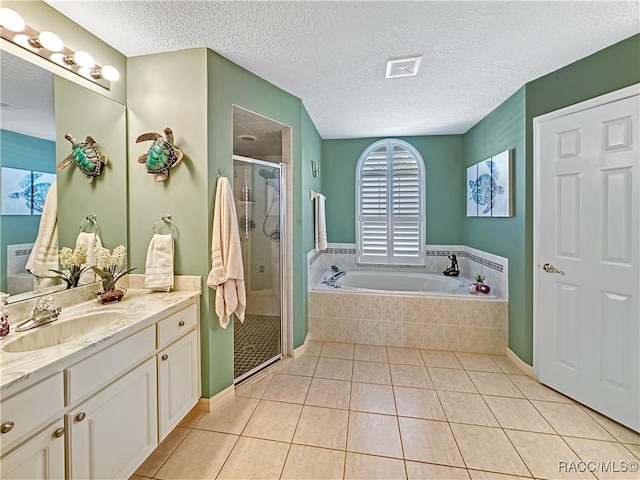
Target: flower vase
[(110, 296)]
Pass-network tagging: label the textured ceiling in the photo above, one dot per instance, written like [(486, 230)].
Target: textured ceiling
[(28, 90), (332, 54)]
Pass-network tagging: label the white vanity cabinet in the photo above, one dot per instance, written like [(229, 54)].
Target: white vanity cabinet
[(100, 414), (112, 433), (40, 458), (178, 382)]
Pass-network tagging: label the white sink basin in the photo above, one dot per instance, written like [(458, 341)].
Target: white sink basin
[(63, 330)]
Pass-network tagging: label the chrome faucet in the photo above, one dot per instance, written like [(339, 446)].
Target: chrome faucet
[(44, 312), (333, 280)]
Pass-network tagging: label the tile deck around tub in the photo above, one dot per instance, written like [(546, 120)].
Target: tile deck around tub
[(348, 411)]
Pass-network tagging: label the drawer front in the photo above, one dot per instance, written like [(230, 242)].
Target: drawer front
[(30, 409), (94, 372), (176, 325)]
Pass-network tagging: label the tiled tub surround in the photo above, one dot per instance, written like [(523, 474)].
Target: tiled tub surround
[(474, 324), (140, 308), (465, 323), (470, 262)]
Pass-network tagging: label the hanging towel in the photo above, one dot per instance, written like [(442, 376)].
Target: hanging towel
[(320, 224), (158, 273), (227, 271), (91, 241), (44, 254)]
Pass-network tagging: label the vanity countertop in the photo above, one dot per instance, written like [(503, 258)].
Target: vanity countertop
[(140, 308)]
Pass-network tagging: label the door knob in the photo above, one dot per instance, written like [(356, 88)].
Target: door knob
[(547, 267)]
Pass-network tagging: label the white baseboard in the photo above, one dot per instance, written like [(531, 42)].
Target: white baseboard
[(524, 367), (298, 352), (208, 405)]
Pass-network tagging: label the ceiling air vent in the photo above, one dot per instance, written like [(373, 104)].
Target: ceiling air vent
[(403, 67)]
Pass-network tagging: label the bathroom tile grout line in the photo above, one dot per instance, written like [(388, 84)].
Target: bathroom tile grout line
[(582, 408), (245, 426), (447, 419)]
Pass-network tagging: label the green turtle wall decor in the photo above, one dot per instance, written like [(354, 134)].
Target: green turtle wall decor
[(86, 157), (162, 154)]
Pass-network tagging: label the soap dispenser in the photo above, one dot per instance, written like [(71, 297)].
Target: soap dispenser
[(4, 315)]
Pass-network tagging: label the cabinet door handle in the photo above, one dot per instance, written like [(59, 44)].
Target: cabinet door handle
[(79, 417), (181, 323), (6, 427), (164, 357), (58, 433)]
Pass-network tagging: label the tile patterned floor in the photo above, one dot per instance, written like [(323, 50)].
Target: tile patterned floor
[(256, 340), (348, 411)]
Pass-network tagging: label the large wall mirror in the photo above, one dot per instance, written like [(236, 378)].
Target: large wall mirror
[(38, 109)]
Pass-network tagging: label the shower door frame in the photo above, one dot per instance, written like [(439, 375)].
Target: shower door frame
[(282, 224)]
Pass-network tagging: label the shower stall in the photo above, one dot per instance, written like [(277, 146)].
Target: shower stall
[(258, 194)]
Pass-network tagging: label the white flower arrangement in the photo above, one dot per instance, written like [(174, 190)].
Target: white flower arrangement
[(107, 265), (73, 260)]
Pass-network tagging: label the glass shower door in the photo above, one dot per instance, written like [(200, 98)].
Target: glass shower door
[(256, 189)]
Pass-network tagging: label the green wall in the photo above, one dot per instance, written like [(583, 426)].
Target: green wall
[(179, 102), (198, 106), (445, 195), (311, 150), (511, 126), (82, 112), (229, 85), (504, 129), (27, 153)]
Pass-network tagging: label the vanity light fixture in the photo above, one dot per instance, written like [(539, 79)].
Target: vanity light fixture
[(49, 46)]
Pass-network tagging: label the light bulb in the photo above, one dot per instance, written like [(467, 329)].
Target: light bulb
[(24, 41), (110, 73), (59, 59), (50, 41), (83, 59), (85, 72), (11, 20)]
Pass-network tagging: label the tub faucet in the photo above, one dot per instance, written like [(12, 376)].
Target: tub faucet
[(44, 312), (333, 280)]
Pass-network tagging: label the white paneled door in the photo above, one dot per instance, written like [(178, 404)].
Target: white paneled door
[(587, 241)]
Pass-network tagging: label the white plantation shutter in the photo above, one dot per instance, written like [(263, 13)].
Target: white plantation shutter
[(390, 204)]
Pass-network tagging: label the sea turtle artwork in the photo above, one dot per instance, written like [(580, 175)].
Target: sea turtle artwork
[(484, 189), (162, 154), (86, 157), (35, 195)]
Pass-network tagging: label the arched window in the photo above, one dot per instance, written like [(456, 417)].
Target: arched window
[(390, 205)]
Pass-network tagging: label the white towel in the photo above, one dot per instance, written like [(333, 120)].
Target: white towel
[(44, 255), (227, 271), (320, 224), (90, 240), (158, 274)]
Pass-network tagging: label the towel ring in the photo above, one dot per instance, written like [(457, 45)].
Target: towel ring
[(89, 221), (166, 220)]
